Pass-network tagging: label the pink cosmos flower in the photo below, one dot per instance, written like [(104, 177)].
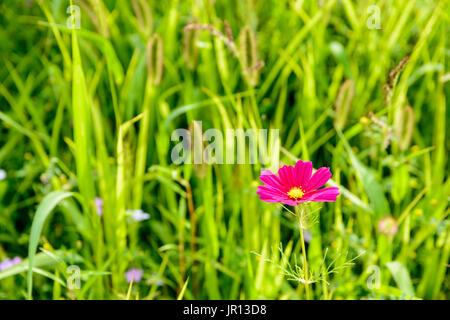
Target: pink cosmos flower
[(295, 185)]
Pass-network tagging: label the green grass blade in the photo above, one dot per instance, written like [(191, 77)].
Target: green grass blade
[(45, 208)]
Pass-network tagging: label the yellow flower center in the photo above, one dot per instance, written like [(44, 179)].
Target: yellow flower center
[(295, 193)]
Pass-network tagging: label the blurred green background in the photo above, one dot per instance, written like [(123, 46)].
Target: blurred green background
[(86, 117)]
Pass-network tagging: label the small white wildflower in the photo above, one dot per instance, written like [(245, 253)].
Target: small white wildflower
[(2, 174), (138, 215)]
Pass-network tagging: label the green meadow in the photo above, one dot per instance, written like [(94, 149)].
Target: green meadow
[(93, 206)]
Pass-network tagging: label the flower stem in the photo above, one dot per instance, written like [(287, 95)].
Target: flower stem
[(299, 213)]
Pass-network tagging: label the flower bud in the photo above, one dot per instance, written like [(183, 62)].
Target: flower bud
[(343, 103), (190, 49), (404, 127), (143, 14), (249, 55), (155, 59), (388, 226)]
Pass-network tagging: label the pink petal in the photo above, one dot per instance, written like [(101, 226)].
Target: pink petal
[(286, 200), (269, 194), (297, 173), (303, 170), (267, 172), (325, 195), (268, 199), (289, 202), (287, 175), (319, 178), (271, 179), (269, 191)]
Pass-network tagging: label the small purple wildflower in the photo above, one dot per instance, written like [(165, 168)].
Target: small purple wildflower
[(8, 263), (17, 260), (99, 206), (308, 235), (135, 274)]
